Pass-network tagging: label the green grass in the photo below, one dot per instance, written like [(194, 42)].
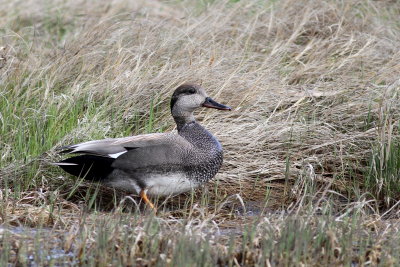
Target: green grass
[(383, 176)]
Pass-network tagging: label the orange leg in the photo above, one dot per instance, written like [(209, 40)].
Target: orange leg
[(147, 201)]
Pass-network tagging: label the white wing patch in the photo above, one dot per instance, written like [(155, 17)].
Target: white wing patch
[(116, 155), (63, 164)]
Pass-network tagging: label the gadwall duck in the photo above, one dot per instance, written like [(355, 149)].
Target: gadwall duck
[(157, 164)]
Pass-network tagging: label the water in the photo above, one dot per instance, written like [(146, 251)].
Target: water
[(32, 238)]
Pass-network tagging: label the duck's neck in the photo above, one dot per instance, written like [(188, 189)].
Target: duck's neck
[(182, 118)]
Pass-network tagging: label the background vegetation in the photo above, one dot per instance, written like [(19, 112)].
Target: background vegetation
[(312, 158)]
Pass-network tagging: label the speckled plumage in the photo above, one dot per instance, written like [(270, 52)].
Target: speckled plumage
[(160, 164), (205, 158)]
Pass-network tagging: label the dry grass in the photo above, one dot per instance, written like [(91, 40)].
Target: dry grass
[(314, 86)]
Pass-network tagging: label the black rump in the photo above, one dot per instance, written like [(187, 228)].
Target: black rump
[(94, 168)]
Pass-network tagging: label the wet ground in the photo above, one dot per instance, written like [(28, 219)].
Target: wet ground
[(39, 245), (45, 245)]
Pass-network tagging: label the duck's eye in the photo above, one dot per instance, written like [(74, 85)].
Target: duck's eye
[(191, 91)]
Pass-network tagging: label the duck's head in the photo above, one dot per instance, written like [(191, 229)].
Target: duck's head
[(189, 97)]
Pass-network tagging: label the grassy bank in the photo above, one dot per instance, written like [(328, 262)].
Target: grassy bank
[(312, 163)]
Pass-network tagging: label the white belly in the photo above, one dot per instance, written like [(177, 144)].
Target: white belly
[(156, 184), (171, 184)]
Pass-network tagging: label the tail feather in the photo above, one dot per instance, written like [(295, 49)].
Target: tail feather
[(94, 168), (65, 149)]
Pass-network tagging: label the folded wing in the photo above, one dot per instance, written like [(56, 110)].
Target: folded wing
[(144, 153), (115, 147)]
